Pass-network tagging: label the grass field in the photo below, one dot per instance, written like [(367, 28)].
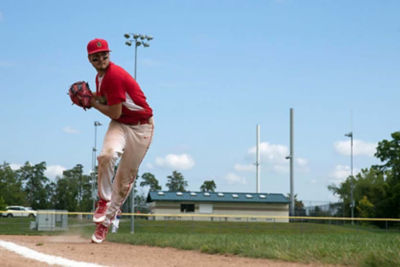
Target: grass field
[(296, 242)]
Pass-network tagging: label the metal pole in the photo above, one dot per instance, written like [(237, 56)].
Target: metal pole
[(258, 158), (135, 57), (350, 134), (133, 184), (352, 183), (133, 208), (96, 123), (93, 171), (137, 43), (291, 165)]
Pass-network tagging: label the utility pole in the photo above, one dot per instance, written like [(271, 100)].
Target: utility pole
[(350, 134), (291, 158), (258, 159)]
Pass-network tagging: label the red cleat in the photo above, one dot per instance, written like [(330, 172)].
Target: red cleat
[(99, 234), (100, 213)]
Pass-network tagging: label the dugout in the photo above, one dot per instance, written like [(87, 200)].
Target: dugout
[(218, 206)]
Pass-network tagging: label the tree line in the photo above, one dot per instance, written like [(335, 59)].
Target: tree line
[(72, 191), (376, 190)]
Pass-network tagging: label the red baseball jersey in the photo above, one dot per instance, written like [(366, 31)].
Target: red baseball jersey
[(118, 86)]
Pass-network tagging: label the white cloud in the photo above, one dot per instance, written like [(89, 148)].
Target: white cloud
[(15, 166), (233, 178), (301, 162), (53, 171), (359, 148), (280, 168), (313, 181), (340, 173), (149, 166), (274, 156), (245, 167), (176, 162), (271, 153), (70, 130)]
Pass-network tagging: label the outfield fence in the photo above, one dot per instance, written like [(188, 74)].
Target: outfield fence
[(61, 220)]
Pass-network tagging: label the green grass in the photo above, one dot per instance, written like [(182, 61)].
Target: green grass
[(296, 242)]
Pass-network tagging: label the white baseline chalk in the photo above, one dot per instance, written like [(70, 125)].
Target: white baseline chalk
[(49, 259)]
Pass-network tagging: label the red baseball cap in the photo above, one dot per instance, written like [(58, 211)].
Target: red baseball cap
[(97, 45)]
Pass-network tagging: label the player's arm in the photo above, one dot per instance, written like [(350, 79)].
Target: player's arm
[(113, 111)]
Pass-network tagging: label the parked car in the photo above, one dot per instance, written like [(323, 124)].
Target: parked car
[(19, 211)]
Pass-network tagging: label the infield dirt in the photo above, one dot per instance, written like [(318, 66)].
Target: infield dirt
[(115, 254)]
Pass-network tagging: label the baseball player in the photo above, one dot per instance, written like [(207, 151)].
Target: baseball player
[(128, 137)]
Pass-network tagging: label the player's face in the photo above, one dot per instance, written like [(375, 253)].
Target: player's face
[(100, 61)]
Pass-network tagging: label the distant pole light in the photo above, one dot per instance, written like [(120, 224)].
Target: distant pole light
[(94, 152), (138, 40), (352, 204), (133, 38)]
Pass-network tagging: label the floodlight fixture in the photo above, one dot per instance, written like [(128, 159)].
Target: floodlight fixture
[(135, 39), (350, 134)]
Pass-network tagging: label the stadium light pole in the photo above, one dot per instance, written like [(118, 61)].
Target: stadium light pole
[(94, 152), (350, 135), (136, 40)]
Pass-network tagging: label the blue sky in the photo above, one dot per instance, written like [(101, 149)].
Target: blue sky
[(214, 70)]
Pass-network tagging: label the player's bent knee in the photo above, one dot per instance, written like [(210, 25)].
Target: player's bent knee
[(107, 158)]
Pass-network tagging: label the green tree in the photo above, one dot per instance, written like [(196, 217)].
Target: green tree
[(208, 186), (3, 204), (11, 190), (343, 192), (73, 190), (34, 184), (369, 183), (365, 208), (176, 182), (298, 205), (150, 180), (388, 151)]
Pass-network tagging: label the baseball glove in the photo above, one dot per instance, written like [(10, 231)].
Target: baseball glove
[(80, 94)]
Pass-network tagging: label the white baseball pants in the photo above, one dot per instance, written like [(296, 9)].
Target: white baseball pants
[(129, 143)]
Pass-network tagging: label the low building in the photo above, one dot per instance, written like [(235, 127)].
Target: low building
[(218, 206)]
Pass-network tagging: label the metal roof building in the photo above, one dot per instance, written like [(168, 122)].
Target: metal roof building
[(218, 206)]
